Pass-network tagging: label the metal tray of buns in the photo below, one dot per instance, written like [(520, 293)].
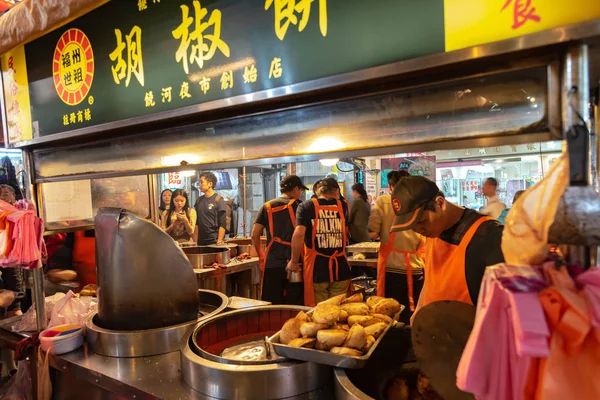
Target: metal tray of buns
[(364, 247), (327, 358)]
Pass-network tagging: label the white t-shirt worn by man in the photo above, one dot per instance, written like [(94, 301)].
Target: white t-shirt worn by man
[(494, 207)]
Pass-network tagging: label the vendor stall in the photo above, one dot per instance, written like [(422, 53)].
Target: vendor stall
[(101, 109)]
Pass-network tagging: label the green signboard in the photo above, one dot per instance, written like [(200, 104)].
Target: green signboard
[(132, 58)]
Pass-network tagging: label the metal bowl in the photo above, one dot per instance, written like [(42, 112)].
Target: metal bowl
[(244, 245), (370, 382), (148, 342), (203, 256), (250, 325)]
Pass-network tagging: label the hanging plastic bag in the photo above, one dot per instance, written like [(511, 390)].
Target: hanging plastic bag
[(44, 389), (20, 386), (525, 236)]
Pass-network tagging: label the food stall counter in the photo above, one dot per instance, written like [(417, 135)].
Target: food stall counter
[(83, 371)]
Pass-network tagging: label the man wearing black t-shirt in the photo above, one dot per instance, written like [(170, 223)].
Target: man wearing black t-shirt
[(461, 242), (211, 213), (321, 226), (278, 216)]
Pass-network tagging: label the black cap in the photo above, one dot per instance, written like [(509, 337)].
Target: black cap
[(409, 198), (290, 182)]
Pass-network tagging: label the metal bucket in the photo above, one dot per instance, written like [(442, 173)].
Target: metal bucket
[(371, 382), (148, 342), (203, 256), (245, 245)]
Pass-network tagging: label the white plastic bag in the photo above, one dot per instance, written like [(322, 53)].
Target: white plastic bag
[(44, 384), (19, 387), (72, 310), (28, 322), (60, 309), (525, 235)]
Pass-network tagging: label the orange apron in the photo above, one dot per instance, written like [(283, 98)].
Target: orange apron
[(270, 212), (385, 249), (310, 254), (84, 258), (445, 277)]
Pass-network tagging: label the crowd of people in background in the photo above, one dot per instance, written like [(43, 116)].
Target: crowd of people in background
[(310, 238), (204, 223)]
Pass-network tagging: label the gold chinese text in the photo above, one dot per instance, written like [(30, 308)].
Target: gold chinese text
[(205, 44), (285, 14)]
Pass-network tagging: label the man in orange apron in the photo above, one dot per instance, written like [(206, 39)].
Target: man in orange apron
[(461, 242), (400, 259), (278, 216), (321, 226)]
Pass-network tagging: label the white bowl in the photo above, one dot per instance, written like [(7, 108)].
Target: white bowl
[(62, 346)]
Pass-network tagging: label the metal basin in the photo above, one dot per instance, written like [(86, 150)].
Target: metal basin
[(244, 245), (203, 256), (149, 342), (389, 360), (218, 377)]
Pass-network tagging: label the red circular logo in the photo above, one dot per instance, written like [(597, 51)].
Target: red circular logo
[(73, 67), (396, 204)]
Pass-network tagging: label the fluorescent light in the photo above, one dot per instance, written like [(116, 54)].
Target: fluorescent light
[(329, 162), (187, 173), (532, 99), (500, 161), (324, 144)]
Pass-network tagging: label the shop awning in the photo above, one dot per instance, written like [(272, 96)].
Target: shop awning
[(31, 19)]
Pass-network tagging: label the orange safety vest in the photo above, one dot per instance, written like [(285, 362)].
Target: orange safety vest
[(310, 254), (445, 277), (270, 212), (385, 249), (84, 258)]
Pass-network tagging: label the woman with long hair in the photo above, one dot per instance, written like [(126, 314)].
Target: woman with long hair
[(164, 204), (179, 220), (165, 200), (359, 215)]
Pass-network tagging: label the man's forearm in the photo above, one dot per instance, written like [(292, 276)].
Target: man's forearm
[(297, 243), (257, 230), (221, 235)]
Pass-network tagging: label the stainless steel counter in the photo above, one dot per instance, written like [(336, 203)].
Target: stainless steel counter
[(154, 377), (158, 377)]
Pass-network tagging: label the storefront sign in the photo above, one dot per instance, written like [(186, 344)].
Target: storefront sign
[(419, 166), (132, 58), (174, 180), (473, 22), (16, 95)]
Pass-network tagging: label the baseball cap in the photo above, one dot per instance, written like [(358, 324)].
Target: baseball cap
[(290, 182), (409, 197)]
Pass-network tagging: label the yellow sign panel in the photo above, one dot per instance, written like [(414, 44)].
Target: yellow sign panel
[(16, 95), (473, 22)]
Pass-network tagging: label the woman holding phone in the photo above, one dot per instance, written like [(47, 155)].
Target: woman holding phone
[(179, 220)]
